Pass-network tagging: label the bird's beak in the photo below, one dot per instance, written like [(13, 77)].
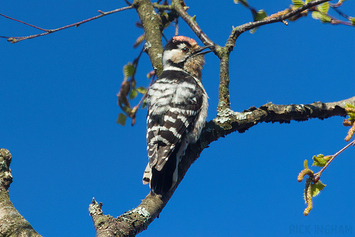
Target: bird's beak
[(199, 51)]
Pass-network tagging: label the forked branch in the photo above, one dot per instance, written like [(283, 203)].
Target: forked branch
[(237, 31)]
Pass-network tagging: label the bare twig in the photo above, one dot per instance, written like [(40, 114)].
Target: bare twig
[(237, 31), (23, 22), (223, 55), (176, 26), (318, 174), (335, 8), (191, 22), (135, 108), (333, 20), (128, 3), (18, 39)]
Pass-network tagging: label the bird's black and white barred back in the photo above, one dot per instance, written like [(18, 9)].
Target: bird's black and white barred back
[(177, 111)]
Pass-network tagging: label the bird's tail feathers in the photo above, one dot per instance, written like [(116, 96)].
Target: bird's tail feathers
[(147, 176)]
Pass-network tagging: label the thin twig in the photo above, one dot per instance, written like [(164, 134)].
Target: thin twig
[(128, 3), (176, 26), (318, 174), (135, 64), (333, 20), (335, 8), (23, 22), (145, 94), (237, 31), (18, 39), (191, 22)]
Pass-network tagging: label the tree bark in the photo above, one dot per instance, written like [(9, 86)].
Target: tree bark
[(12, 224)]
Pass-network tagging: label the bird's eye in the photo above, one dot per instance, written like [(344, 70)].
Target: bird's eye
[(185, 49)]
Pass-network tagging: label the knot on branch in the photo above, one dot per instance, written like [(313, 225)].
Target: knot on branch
[(95, 208), (5, 172)]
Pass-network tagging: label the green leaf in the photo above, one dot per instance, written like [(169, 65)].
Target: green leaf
[(258, 16), (352, 20), (243, 2), (133, 94), (319, 16), (126, 109), (307, 1), (133, 84), (121, 119), (261, 14), (144, 104), (298, 3), (252, 31), (351, 114), (320, 160), (128, 70), (316, 188), (324, 8), (141, 90)]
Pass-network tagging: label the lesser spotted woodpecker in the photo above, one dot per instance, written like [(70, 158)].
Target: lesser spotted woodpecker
[(177, 111)]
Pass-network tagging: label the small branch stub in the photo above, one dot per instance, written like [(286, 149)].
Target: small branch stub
[(5, 172), (12, 224)]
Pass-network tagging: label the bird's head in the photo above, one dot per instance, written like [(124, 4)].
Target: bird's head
[(184, 53)]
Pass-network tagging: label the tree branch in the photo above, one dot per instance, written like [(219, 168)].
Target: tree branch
[(226, 122), (191, 22), (231, 121), (12, 224), (223, 90), (237, 31), (18, 39), (36, 27), (335, 8), (222, 54), (152, 28)]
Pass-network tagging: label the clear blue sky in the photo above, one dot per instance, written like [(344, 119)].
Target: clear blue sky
[(58, 103)]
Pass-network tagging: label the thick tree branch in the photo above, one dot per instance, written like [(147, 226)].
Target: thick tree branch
[(226, 122), (152, 29), (223, 90), (136, 220), (230, 121), (12, 224)]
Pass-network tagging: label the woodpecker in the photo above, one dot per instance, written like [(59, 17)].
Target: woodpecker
[(177, 111)]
